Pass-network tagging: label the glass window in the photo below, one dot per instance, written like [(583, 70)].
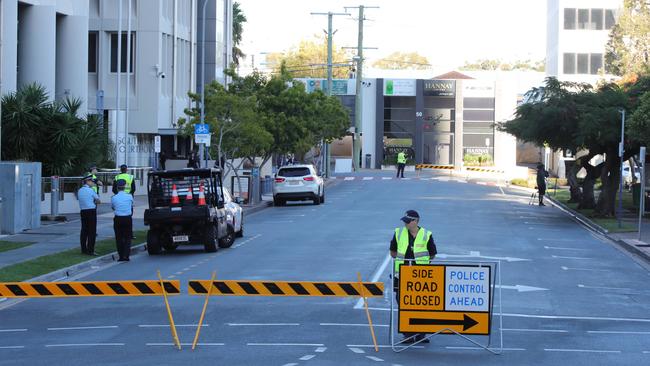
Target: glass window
[(609, 18), (597, 19), (595, 63), (399, 127), (569, 18), (92, 52), (294, 172), (569, 63), (583, 18), (583, 63), (123, 55)]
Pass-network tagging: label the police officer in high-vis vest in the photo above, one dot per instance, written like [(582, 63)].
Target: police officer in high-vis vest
[(93, 172), (401, 164), (416, 244), (128, 178)]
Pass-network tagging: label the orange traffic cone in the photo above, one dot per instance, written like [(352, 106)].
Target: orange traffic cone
[(175, 200), (201, 196), (190, 196)]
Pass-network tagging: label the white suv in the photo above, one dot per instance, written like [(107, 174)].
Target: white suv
[(298, 183)]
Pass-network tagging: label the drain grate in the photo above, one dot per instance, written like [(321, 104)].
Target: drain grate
[(642, 245)]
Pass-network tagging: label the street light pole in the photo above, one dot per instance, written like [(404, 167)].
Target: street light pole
[(620, 154), (202, 146), (119, 83), (358, 110)]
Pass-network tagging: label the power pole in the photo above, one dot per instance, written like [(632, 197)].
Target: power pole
[(330, 34), (358, 103)]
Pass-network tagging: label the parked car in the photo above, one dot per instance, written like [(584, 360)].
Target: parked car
[(234, 214), (186, 207), (627, 177), (298, 183)]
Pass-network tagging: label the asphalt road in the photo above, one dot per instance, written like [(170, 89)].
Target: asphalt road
[(568, 297)]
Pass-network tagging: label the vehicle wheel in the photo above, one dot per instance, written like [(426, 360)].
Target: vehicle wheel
[(322, 198), (170, 247), (210, 238), (153, 242), (240, 233), (317, 200), (277, 202), (228, 240)]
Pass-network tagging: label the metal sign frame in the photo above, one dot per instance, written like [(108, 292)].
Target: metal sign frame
[(495, 284)]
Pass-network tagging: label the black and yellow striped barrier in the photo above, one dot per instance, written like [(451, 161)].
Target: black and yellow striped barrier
[(284, 288), (484, 170), (94, 288), (429, 166)]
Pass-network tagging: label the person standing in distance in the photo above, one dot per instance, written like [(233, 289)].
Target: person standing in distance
[(542, 174), (122, 204), (128, 178), (88, 201), (401, 164), (411, 243), (93, 171)]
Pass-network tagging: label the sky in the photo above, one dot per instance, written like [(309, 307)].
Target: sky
[(448, 33)]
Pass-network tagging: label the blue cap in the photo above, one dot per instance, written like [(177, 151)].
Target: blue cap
[(121, 183), (88, 177)]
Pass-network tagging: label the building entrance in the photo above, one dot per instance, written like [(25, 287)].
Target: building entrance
[(438, 148)]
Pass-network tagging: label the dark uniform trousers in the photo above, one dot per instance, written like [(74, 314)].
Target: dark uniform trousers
[(88, 230), (123, 227)]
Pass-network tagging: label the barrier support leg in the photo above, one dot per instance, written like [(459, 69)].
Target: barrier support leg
[(172, 326), (365, 304), (205, 306)]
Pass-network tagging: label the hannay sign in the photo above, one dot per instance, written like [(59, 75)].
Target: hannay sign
[(439, 88)]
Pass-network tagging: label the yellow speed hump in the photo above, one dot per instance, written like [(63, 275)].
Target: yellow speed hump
[(446, 298)]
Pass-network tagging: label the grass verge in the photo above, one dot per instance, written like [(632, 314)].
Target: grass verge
[(11, 245), (609, 224), (48, 263)]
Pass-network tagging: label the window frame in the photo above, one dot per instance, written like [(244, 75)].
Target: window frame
[(124, 53)]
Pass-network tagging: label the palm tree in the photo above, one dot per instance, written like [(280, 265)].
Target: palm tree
[(237, 31)]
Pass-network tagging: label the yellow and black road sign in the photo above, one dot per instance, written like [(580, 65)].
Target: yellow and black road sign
[(430, 166), (285, 288), (94, 288), (438, 298)]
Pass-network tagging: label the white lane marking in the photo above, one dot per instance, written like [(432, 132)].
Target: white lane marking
[(577, 258), (276, 222), (300, 215), (521, 288), (85, 345), (320, 349), (547, 239), (375, 277), (405, 178), (179, 273), (614, 332), (502, 192), (386, 178), (84, 328), (167, 325), (646, 351), (368, 178), (536, 330), (353, 325), (584, 269), (606, 288), (193, 265), (480, 348), (171, 276), (348, 178), (261, 324), (564, 248), (290, 364), (185, 344), (539, 223), (373, 346), (375, 358), (579, 350), (12, 330), (186, 269), (286, 344), (11, 347), (357, 350), (306, 357)]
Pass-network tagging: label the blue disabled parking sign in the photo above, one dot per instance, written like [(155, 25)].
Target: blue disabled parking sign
[(201, 129)]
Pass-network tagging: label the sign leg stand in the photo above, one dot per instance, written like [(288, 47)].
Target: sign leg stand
[(177, 342), (365, 304), (205, 306)]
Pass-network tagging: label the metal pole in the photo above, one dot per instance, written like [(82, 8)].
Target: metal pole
[(642, 192), (1, 52), (128, 86), (620, 154), (119, 79), (201, 146), (54, 196), (356, 147)]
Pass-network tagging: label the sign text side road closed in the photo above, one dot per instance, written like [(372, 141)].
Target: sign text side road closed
[(435, 297)]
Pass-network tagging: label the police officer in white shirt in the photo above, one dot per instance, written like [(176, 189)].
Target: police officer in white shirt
[(122, 204)]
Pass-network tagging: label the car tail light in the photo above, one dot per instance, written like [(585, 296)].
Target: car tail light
[(308, 179), (279, 180)]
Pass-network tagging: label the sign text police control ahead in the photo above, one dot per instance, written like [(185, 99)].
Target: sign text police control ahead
[(435, 297)]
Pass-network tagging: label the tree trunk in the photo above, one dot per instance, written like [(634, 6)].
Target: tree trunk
[(610, 176), (588, 199), (572, 169)]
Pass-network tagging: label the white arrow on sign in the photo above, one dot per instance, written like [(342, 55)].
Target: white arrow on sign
[(521, 288), (478, 255)]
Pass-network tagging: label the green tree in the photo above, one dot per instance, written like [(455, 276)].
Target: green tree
[(487, 64), (628, 48), (309, 59), (238, 20), (35, 129), (403, 61), (576, 117)]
